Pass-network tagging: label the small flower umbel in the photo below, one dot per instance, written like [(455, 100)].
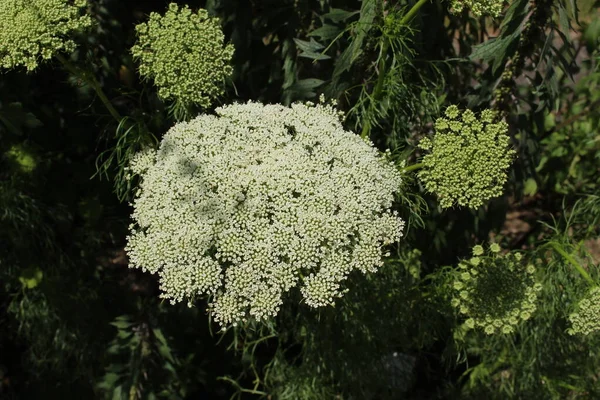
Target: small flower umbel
[(248, 204), (495, 291), (478, 7), (468, 158), (184, 53), (586, 319), (32, 31)]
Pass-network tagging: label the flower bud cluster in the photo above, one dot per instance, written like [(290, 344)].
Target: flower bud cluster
[(495, 291), (468, 158), (586, 319), (257, 200), (34, 30), (478, 7), (184, 53)]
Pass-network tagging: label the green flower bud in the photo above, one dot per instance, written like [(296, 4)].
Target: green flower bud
[(478, 7), (184, 53), (506, 329), (470, 323), (32, 31)]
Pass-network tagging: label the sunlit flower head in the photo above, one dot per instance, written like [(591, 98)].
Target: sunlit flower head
[(259, 199)]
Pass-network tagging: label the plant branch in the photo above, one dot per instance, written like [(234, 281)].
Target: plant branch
[(577, 116), (93, 82), (412, 12), (573, 262), (377, 91)]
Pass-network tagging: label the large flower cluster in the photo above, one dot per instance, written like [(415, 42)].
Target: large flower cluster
[(468, 158), (184, 53), (34, 30), (256, 200), (587, 318), (495, 291), (478, 7)]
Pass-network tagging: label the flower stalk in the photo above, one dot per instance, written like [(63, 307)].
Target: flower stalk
[(413, 167), (573, 262), (93, 82)]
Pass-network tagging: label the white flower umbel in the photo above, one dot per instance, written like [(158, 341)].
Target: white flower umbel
[(245, 205)]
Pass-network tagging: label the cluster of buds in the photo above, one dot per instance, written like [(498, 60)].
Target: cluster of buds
[(586, 319), (467, 158), (478, 7), (495, 291), (35, 30), (184, 53)]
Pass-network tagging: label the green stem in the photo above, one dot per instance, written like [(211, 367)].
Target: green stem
[(573, 262), (381, 66), (412, 12), (378, 86), (413, 167), (93, 82), (365, 130)]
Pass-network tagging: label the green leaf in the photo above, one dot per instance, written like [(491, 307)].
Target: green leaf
[(530, 187), (592, 33), (347, 58), (514, 17), (310, 46), (289, 63), (368, 13), (326, 32), (563, 19), (311, 49), (304, 87), (118, 393), (496, 50), (314, 56), (307, 84), (302, 90), (15, 118), (122, 322), (338, 15)]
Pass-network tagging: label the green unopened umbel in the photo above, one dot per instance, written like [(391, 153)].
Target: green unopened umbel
[(34, 30), (184, 53), (467, 158)]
